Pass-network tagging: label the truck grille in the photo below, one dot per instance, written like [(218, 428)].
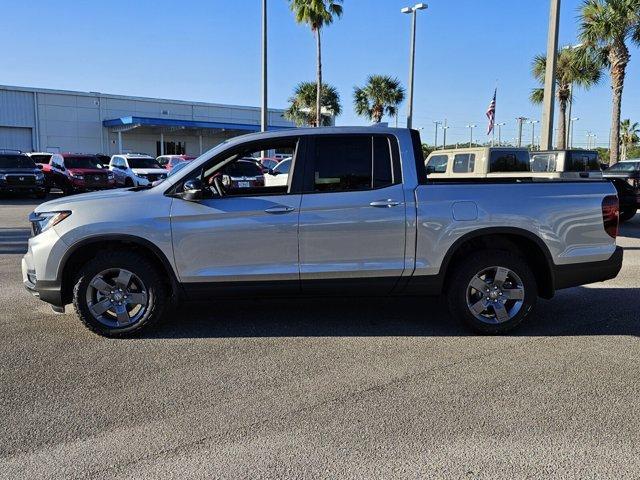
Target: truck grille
[(95, 179), (21, 179)]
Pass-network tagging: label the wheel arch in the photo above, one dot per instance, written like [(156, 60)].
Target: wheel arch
[(84, 249), (527, 244)]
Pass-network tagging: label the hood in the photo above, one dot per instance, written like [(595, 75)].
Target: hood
[(147, 171), (74, 201), (88, 171)]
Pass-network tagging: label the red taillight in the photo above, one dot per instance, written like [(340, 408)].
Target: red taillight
[(611, 215)]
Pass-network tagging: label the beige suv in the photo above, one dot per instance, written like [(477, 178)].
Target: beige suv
[(480, 162)]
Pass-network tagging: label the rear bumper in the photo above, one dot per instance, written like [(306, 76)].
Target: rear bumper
[(567, 276)]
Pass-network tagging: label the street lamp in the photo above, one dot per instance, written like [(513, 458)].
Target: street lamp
[(572, 122), (264, 112), (471, 127), (533, 132), (520, 121), (445, 127), (500, 125), (435, 140), (568, 133), (412, 56)]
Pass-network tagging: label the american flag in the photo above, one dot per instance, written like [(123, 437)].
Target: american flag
[(491, 113)]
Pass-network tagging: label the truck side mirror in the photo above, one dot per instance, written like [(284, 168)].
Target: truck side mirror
[(192, 190)]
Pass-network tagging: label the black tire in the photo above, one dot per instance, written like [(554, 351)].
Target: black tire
[(128, 183), (627, 214), (41, 195), (156, 291), (460, 295)]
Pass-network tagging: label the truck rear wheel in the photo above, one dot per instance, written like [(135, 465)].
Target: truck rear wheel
[(119, 293), (492, 291)]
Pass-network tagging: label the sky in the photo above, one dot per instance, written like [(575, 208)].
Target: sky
[(209, 50)]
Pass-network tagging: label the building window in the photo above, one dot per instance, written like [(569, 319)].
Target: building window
[(172, 148)]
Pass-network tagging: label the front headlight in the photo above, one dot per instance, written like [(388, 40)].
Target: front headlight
[(110, 176), (45, 220), (77, 175), (2, 176), (39, 177)]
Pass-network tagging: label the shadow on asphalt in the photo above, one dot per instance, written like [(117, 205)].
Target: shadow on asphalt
[(578, 311)]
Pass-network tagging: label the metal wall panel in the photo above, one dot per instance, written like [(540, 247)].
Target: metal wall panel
[(18, 138), (16, 109)]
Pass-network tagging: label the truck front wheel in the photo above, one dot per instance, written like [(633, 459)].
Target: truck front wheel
[(627, 214), (491, 291), (119, 293)]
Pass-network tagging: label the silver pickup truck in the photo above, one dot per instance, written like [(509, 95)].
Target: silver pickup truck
[(356, 216)]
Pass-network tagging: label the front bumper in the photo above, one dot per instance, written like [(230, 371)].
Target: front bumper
[(40, 267), (37, 188), (573, 275)]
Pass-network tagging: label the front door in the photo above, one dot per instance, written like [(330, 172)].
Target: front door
[(352, 216), (243, 239)]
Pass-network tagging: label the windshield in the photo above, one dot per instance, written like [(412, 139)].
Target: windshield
[(177, 168), (143, 163), (624, 167), (16, 161), (41, 158), (82, 162)]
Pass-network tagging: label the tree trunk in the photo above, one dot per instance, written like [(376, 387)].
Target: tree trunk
[(619, 58), (319, 82), (562, 125)]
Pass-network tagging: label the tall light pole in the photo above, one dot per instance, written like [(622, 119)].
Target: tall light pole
[(435, 140), (471, 127), (264, 112), (572, 122), (520, 120), (568, 132), (500, 125), (445, 127), (533, 133), (550, 75), (412, 56)]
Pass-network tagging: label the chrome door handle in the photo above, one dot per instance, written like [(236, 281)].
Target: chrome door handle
[(280, 209), (384, 203)]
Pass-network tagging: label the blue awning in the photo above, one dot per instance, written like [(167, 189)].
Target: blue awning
[(174, 122)]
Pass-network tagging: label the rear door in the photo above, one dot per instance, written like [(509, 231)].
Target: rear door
[(352, 215)]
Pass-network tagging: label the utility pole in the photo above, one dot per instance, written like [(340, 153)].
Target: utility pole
[(471, 127), (264, 114), (550, 75), (521, 120), (445, 127), (435, 140)]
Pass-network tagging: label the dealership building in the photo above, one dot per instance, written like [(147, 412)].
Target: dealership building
[(35, 119)]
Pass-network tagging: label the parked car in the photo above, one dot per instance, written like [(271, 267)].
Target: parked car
[(20, 174), (625, 176), (357, 218), (76, 172), (278, 175), (569, 164), (136, 169), (170, 161), (478, 162)]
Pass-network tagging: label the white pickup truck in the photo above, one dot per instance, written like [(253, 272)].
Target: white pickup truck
[(356, 216)]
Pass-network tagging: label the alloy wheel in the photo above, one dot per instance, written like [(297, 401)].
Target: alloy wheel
[(495, 295)]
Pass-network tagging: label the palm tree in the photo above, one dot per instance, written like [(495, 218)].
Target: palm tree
[(382, 94), (574, 67), (629, 135), (605, 28), (303, 107), (316, 14)]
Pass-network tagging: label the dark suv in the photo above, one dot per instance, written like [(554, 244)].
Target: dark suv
[(19, 174), (625, 176)]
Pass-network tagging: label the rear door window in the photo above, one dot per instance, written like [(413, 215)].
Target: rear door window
[(509, 161), (464, 163), (351, 163)]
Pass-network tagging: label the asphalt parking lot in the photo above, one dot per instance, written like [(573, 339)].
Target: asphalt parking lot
[(332, 388)]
